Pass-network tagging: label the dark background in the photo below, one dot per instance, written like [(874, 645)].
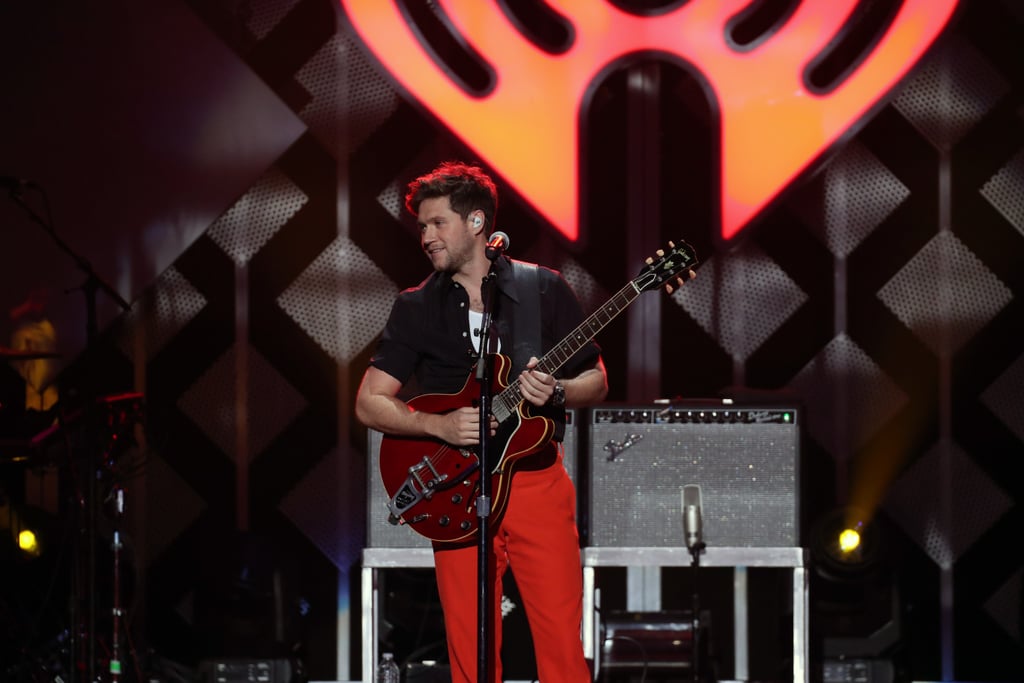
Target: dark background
[(233, 169)]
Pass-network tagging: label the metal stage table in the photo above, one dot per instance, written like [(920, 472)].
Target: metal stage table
[(794, 559), (375, 559)]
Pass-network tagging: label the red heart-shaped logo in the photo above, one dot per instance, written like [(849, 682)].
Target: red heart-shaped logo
[(773, 125)]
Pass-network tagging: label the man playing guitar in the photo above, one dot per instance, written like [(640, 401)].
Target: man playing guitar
[(428, 347)]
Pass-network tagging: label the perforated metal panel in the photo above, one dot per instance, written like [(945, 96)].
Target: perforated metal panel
[(392, 200), (860, 193), (1003, 191), (741, 299), (168, 306), (922, 296), (210, 402), (341, 300), (1002, 397), (588, 290), (262, 17), (859, 397), (381, 534), (349, 101), (978, 502), (950, 92), (250, 223), (746, 461), (1004, 605)]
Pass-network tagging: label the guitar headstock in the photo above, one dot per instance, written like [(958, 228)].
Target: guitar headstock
[(669, 269)]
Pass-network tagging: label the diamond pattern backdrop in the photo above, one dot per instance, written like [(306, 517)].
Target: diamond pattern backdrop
[(883, 292)]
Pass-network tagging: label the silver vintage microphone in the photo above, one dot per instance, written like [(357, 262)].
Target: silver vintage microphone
[(693, 529)]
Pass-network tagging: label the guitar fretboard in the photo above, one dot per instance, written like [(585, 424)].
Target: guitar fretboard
[(508, 401)]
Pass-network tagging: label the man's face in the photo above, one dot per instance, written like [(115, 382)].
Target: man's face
[(449, 241)]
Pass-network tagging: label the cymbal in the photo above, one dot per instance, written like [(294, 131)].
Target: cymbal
[(7, 353)]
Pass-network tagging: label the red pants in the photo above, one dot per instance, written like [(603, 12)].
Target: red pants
[(537, 538)]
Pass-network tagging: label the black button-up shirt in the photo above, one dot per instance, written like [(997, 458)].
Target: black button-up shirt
[(427, 343)]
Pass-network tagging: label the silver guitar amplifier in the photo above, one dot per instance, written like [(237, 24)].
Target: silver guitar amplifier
[(744, 458), (382, 534)]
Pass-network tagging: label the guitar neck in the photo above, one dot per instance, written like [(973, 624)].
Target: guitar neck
[(509, 400)]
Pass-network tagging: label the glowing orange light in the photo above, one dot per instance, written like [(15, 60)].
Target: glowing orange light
[(527, 126)]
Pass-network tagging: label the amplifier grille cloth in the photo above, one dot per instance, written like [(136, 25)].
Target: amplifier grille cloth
[(748, 475)]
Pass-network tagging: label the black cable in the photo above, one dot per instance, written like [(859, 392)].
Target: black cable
[(643, 653)]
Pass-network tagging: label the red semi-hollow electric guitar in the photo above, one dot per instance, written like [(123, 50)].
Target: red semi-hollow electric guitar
[(433, 486)]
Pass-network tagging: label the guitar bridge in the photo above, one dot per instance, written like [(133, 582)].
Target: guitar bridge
[(423, 480)]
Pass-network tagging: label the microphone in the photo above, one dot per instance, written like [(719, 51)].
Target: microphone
[(497, 245), (692, 524)]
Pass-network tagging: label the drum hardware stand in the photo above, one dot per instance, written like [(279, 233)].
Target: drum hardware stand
[(116, 612), (91, 285), (122, 413)]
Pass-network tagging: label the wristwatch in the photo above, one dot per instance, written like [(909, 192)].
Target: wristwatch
[(557, 399)]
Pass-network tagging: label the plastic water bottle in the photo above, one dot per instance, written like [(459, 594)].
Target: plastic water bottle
[(387, 670)]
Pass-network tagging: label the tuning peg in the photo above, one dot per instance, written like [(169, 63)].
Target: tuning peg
[(680, 281)]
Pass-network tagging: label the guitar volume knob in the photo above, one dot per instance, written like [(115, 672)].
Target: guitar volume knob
[(444, 520), (457, 498)]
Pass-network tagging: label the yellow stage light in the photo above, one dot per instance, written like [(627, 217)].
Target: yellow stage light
[(849, 540), (28, 542)]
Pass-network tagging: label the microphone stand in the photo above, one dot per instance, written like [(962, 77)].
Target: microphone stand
[(93, 281), (485, 589), (92, 284), (695, 550)]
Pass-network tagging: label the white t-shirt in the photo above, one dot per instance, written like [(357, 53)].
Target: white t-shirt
[(475, 321)]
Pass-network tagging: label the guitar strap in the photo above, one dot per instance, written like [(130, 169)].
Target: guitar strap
[(526, 321), (526, 328)]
